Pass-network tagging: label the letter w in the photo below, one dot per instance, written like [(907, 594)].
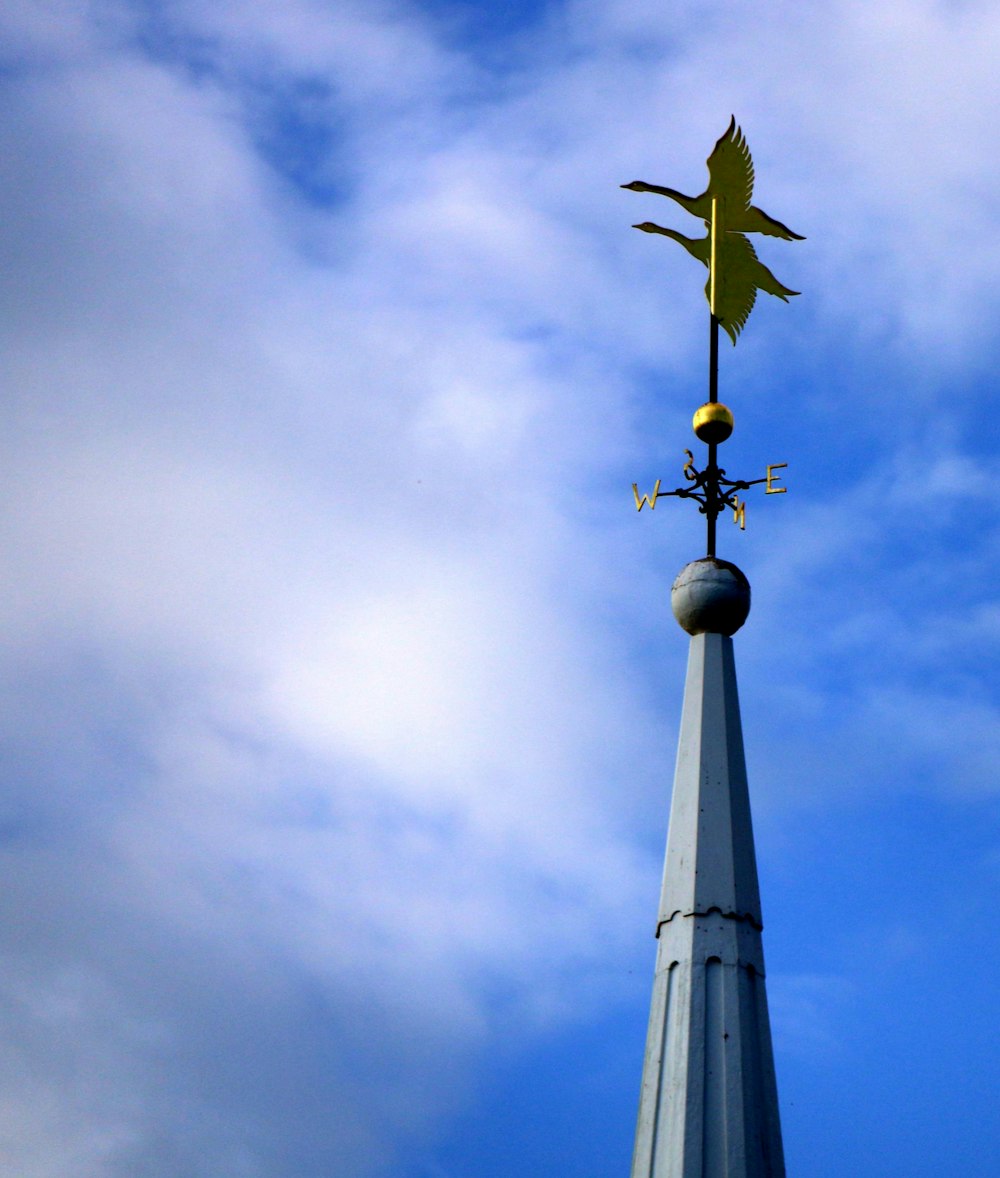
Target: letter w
[(650, 499)]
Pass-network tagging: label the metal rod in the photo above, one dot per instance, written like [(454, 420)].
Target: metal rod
[(712, 479), (712, 498), (713, 360)]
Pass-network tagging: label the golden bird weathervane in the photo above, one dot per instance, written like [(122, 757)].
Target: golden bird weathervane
[(735, 274)]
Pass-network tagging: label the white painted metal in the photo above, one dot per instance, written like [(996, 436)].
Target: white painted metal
[(709, 1101)]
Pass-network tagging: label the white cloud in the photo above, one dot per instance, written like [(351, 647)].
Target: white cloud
[(319, 627)]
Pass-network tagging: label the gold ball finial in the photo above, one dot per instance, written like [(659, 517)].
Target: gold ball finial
[(713, 422)]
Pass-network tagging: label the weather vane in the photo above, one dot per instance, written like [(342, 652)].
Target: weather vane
[(735, 274)]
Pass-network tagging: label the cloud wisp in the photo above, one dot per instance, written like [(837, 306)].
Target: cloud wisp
[(335, 665)]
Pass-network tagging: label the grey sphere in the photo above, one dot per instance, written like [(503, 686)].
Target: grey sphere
[(710, 596)]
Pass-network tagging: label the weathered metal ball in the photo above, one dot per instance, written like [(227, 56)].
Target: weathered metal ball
[(713, 422), (710, 596)]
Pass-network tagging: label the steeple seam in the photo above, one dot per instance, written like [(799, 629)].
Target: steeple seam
[(713, 911)]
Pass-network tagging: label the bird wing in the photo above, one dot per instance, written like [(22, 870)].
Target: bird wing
[(742, 275), (762, 277), (754, 220), (730, 169), (734, 306)]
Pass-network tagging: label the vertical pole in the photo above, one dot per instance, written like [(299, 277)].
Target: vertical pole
[(713, 360), (713, 268), (715, 281), (712, 481), (711, 499)]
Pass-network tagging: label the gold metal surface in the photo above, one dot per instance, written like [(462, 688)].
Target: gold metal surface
[(740, 514), (738, 275), (713, 422), (772, 478), (650, 499), (714, 282), (735, 272)]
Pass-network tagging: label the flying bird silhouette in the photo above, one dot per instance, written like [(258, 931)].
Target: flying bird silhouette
[(741, 275), (730, 176)]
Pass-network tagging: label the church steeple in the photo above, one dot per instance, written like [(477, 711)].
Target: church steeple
[(709, 1105)]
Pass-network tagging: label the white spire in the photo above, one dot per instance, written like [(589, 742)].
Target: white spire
[(709, 1102)]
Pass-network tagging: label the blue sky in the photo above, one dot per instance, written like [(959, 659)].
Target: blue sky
[(340, 687)]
